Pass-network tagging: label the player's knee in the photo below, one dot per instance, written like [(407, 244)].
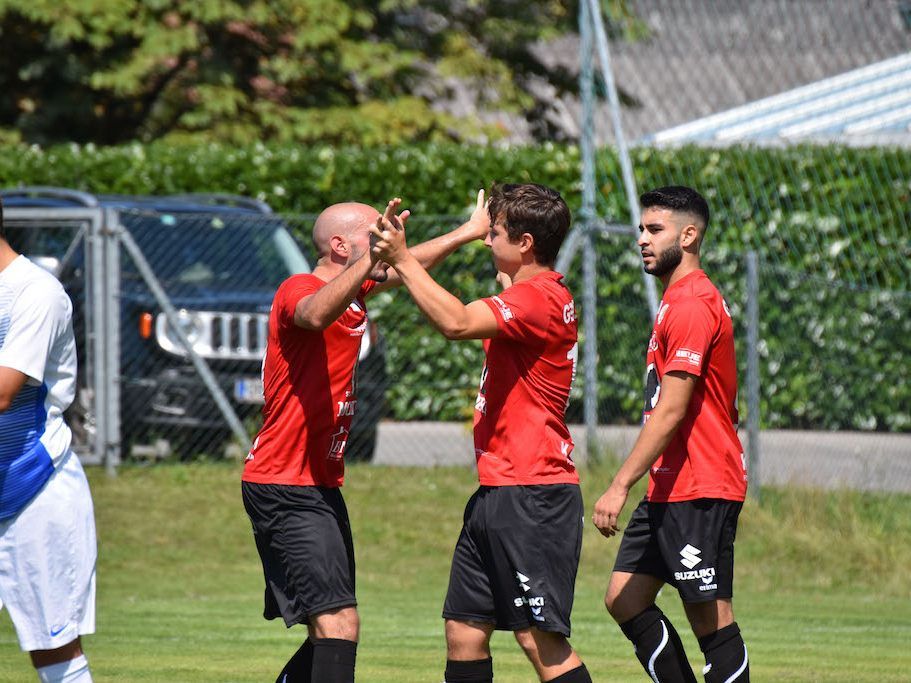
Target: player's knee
[(526, 641), (65, 653), (466, 640), (343, 624), (708, 617), (548, 648), (613, 601)]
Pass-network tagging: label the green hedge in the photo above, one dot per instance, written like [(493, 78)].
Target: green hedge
[(831, 225)]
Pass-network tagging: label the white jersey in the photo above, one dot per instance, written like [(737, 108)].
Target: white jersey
[(36, 338)]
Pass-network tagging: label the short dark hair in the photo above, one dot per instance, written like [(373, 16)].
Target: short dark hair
[(536, 209), (678, 198)]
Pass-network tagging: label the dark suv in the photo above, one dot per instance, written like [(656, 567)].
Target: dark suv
[(219, 259)]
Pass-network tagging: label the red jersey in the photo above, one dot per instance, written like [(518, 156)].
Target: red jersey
[(309, 388), (694, 333), (520, 433)]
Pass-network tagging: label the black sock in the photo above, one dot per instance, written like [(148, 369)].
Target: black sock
[(578, 675), (297, 670), (474, 671), (658, 647), (333, 660), (725, 656)]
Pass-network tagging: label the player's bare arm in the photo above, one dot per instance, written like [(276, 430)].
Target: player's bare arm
[(445, 312), (676, 391), (11, 382), (431, 252), (318, 311)]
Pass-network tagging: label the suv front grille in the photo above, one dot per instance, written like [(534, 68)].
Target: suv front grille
[(216, 334)]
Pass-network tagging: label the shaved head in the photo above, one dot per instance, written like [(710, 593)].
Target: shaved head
[(341, 219)]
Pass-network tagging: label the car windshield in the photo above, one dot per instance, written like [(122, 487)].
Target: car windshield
[(239, 251)]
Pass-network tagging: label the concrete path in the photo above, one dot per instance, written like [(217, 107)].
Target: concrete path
[(831, 460)]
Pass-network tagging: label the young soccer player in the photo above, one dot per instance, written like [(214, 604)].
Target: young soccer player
[(683, 532), (514, 566)]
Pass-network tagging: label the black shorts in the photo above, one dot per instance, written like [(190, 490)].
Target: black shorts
[(303, 537), (689, 544), (516, 559)]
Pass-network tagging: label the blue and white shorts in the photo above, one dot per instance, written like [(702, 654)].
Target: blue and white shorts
[(47, 562)]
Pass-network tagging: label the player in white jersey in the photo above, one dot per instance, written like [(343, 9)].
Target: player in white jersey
[(47, 524)]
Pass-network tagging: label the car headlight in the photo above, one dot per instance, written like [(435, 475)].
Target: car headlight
[(191, 324)]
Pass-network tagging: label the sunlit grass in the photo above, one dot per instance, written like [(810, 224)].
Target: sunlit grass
[(822, 589)]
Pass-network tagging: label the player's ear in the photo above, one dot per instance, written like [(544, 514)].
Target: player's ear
[(526, 242), (339, 245), (689, 236)]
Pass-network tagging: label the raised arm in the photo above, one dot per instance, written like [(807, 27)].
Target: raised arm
[(445, 312), (318, 311), (431, 252)]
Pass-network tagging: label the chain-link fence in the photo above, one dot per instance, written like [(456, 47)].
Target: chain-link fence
[(171, 313), (829, 223)]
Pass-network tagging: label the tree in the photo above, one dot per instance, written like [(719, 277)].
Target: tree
[(285, 70)]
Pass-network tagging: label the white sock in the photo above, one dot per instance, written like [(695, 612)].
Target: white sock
[(70, 671)]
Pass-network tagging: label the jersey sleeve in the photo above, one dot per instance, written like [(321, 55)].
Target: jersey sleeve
[(38, 318), (366, 288), (290, 292), (520, 314), (688, 329)]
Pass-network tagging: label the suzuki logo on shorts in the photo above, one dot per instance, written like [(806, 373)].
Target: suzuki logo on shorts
[(536, 604), (689, 556), (523, 581)]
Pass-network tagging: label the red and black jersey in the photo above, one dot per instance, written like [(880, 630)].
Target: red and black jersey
[(694, 333), (309, 383), (520, 432)]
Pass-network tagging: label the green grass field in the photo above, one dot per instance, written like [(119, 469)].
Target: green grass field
[(823, 589)]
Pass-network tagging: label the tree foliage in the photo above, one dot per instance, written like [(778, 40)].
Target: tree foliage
[(338, 71)]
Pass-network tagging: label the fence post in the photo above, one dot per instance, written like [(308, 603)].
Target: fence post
[(590, 330), (585, 224), (96, 340), (752, 267), (112, 440), (626, 164)]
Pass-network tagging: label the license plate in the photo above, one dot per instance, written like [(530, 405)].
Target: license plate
[(248, 390)]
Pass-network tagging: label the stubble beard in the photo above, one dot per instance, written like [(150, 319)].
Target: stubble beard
[(667, 262)]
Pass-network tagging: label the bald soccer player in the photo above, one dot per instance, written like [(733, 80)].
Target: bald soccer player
[(294, 471)]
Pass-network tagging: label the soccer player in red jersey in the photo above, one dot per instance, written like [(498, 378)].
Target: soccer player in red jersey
[(293, 472), (514, 566), (683, 532)]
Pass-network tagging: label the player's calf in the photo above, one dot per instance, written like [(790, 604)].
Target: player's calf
[(658, 646), (578, 675), (333, 660), (70, 671), (471, 671), (726, 656), (299, 667)]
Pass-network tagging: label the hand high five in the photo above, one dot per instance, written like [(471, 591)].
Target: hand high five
[(480, 220), (387, 237)]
